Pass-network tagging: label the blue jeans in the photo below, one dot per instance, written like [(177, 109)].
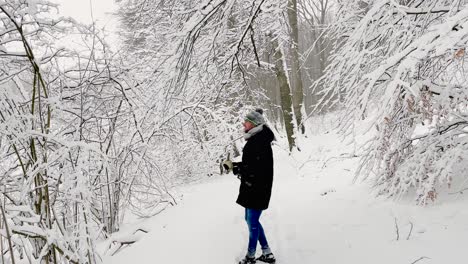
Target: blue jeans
[(256, 232)]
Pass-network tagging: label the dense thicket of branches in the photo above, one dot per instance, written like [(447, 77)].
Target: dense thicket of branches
[(72, 149), (400, 64), (198, 58), (224, 54), (48, 153)]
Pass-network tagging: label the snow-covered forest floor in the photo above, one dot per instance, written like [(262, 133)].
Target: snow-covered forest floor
[(317, 215)]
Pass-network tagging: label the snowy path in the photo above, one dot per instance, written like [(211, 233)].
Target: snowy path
[(304, 225)]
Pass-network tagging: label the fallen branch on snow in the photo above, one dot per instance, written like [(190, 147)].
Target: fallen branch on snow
[(125, 240), (342, 156), (409, 234), (397, 230), (421, 258), (460, 192)]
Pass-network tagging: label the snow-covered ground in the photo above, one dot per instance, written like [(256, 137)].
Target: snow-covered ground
[(317, 215)]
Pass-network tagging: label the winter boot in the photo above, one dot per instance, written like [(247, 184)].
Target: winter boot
[(268, 258), (247, 260)]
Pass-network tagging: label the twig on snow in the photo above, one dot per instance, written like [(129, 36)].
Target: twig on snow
[(461, 191), (397, 230), (409, 234), (342, 156), (421, 258)]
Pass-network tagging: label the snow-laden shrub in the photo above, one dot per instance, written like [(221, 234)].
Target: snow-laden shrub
[(403, 61)]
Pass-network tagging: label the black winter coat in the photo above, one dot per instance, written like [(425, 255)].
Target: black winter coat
[(256, 171)]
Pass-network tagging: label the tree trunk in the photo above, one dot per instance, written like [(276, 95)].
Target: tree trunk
[(285, 94), (298, 92)]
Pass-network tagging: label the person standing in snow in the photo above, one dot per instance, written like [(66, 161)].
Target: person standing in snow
[(256, 175)]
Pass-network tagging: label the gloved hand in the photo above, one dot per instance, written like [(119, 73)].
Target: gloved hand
[(236, 169), (227, 165)]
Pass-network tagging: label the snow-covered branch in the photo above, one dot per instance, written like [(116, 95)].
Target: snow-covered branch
[(400, 71)]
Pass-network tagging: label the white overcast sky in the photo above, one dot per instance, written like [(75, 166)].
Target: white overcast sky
[(81, 11), (102, 11)]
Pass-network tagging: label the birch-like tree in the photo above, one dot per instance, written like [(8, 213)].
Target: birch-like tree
[(298, 91)]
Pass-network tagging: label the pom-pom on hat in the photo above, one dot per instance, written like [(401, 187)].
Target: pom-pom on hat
[(255, 117)]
